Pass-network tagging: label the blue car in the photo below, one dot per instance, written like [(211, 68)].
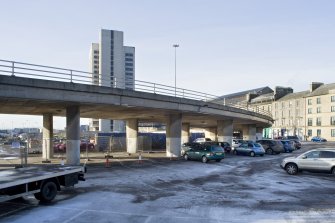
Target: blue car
[(318, 139), (250, 149), (288, 145)]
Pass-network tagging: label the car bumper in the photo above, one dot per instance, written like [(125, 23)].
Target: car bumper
[(215, 157)]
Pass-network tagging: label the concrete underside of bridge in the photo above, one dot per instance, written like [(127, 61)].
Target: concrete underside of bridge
[(40, 97)]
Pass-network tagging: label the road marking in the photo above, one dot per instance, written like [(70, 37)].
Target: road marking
[(75, 216)]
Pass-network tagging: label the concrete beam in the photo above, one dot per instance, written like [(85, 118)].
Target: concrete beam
[(173, 135), (47, 150), (46, 96), (225, 131), (73, 135), (131, 135)]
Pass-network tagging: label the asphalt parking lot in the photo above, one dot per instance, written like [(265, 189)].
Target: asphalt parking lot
[(238, 189)]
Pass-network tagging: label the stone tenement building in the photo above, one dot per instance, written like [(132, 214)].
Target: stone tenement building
[(304, 114)]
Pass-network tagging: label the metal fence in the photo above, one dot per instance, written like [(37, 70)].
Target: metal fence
[(19, 69)]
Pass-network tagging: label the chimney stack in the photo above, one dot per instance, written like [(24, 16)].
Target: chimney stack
[(314, 85)]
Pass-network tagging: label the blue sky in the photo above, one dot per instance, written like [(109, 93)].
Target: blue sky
[(225, 46)]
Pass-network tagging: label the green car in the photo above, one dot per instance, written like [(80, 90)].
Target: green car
[(205, 153)]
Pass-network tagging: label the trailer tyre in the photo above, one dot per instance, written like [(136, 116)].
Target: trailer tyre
[(48, 192)]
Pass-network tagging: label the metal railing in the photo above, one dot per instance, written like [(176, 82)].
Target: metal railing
[(19, 69)]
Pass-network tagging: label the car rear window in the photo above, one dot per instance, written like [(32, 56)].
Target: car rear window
[(257, 145), (327, 154), (217, 149)]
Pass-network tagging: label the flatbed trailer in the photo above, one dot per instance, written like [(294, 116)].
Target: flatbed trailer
[(44, 181)]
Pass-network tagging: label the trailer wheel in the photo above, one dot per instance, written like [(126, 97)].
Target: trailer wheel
[(48, 192)]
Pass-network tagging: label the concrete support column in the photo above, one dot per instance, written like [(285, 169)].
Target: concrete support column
[(47, 150), (211, 133), (131, 135), (185, 132), (225, 131), (250, 132), (173, 135), (73, 135)]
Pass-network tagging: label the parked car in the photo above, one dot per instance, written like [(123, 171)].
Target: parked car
[(272, 146), (226, 146), (318, 139), (237, 143), (316, 160), (83, 144), (187, 146), (297, 143), (202, 140), (205, 153), (288, 146), (250, 149), (292, 137), (61, 147)]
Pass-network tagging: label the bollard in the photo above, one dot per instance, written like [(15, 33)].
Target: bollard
[(107, 163), (139, 157)]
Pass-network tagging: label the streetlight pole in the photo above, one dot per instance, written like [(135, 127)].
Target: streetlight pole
[(175, 68)]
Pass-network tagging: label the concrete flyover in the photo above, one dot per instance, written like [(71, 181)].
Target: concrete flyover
[(29, 96)]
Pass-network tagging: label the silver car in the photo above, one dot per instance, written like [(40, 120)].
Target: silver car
[(316, 160)]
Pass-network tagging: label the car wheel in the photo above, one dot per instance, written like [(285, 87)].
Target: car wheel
[(186, 157), (218, 160), (333, 171), (262, 155), (269, 151), (252, 154), (291, 169), (204, 159)]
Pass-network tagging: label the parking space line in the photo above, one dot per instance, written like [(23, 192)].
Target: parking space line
[(13, 211), (75, 216)]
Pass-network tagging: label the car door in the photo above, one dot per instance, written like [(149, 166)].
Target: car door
[(197, 152), (310, 161), (264, 144), (190, 153), (326, 160), (193, 151), (242, 149)]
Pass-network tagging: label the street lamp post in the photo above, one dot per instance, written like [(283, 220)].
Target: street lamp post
[(175, 68)]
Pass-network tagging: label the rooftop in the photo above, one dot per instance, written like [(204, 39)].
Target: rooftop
[(296, 95), (322, 90)]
